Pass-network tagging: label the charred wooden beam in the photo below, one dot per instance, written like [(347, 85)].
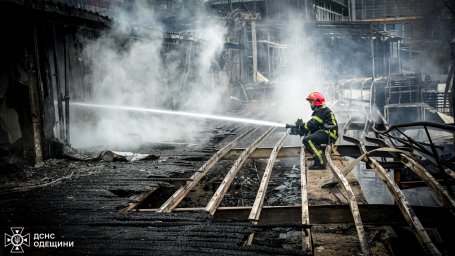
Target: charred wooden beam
[(293, 151), (307, 240), (260, 196), (224, 186), (372, 214), (43, 49), (32, 84), (430, 181), (178, 195), (406, 209), (255, 51), (263, 153), (352, 203)]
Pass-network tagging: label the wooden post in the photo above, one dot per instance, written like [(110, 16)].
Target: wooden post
[(255, 50), (34, 107)]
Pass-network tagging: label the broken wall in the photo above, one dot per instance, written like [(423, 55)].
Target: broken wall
[(37, 70)]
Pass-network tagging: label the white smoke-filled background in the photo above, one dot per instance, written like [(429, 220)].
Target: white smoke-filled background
[(300, 75), (315, 60), (144, 73)]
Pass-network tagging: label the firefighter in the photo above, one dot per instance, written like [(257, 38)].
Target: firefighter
[(322, 128)]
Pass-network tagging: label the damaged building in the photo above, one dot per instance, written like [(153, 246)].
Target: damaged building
[(160, 127)]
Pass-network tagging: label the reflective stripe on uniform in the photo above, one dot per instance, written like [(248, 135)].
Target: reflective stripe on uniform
[(316, 151), (334, 122), (306, 126), (319, 120), (332, 133)]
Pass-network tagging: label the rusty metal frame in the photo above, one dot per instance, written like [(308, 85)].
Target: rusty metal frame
[(439, 162)]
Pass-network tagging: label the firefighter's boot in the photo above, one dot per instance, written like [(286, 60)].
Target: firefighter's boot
[(317, 165)]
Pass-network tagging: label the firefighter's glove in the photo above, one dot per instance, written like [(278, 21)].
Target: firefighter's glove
[(294, 129), (300, 127)]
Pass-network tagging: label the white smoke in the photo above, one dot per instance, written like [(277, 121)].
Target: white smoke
[(300, 75), (314, 60), (143, 72)]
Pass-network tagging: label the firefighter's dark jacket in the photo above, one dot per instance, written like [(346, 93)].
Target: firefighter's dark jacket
[(321, 119)]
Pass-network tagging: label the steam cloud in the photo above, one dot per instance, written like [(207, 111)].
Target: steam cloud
[(299, 75), (314, 61), (142, 72)]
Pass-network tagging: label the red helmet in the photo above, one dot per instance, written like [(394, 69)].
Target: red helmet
[(317, 98)]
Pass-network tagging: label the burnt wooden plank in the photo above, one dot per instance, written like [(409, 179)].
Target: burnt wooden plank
[(294, 151), (307, 244), (224, 186), (372, 214), (259, 201), (178, 195), (352, 203)]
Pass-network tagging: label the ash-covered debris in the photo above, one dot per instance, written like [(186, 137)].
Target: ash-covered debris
[(130, 190), (288, 192), (110, 156), (279, 237), (17, 175), (62, 150)]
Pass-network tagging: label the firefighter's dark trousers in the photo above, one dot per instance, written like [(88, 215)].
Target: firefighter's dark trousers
[(313, 143)]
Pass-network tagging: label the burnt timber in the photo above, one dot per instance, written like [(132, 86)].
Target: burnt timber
[(206, 196)]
